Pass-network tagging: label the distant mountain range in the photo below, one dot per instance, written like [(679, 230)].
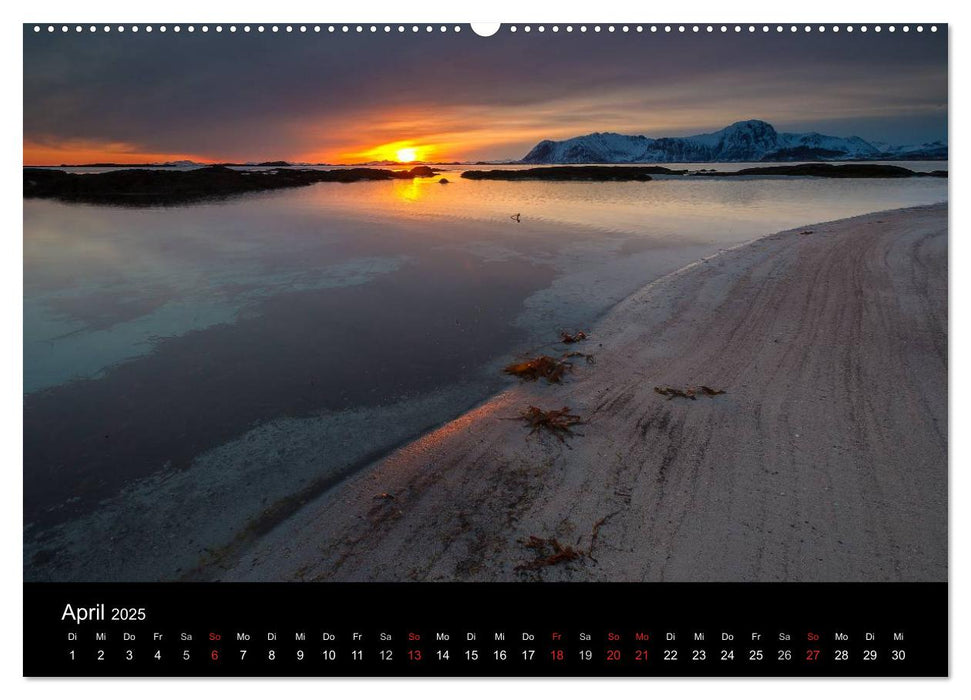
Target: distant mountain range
[(747, 141)]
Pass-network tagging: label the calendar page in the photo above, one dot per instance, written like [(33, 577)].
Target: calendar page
[(466, 350)]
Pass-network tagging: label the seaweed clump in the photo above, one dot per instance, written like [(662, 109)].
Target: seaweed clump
[(566, 337), (559, 422), (549, 552), (688, 393), (544, 366)]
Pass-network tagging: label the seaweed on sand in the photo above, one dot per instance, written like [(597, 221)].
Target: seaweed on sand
[(549, 368), (549, 551), (557, 421), (690, 392), (587, 356), (566, 337)]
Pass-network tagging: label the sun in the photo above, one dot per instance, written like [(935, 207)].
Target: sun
[(407, 155)]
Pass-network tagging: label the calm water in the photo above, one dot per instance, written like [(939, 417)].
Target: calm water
[(190, 364)]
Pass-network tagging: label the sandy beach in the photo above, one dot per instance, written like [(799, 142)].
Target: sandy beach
[(824, 460)]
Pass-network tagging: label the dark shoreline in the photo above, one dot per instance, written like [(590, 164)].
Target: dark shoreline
[(610, 173), (140, 187), (854, 170), (132, 187), (584, 173)]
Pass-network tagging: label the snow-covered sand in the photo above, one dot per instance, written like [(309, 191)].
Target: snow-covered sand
[(826, 458)]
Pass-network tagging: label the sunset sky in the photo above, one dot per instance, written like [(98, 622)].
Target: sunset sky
[(343, 98)]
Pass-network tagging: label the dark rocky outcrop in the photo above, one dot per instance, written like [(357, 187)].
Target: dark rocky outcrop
[(855, 170), (153, 187), (594, 173), (801, 153)]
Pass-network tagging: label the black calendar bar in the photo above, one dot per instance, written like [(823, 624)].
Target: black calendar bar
[(446, 629)]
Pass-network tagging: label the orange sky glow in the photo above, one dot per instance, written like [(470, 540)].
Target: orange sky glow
[(73, 152), (456, 133)]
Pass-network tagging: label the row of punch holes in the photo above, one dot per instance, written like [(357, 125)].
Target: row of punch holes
[(414, 28)]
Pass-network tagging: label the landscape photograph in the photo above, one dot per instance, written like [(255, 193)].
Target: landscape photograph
[(405, 303)]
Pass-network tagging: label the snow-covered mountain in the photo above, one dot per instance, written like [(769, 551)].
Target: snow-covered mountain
[(749, 141), (936, 150)]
